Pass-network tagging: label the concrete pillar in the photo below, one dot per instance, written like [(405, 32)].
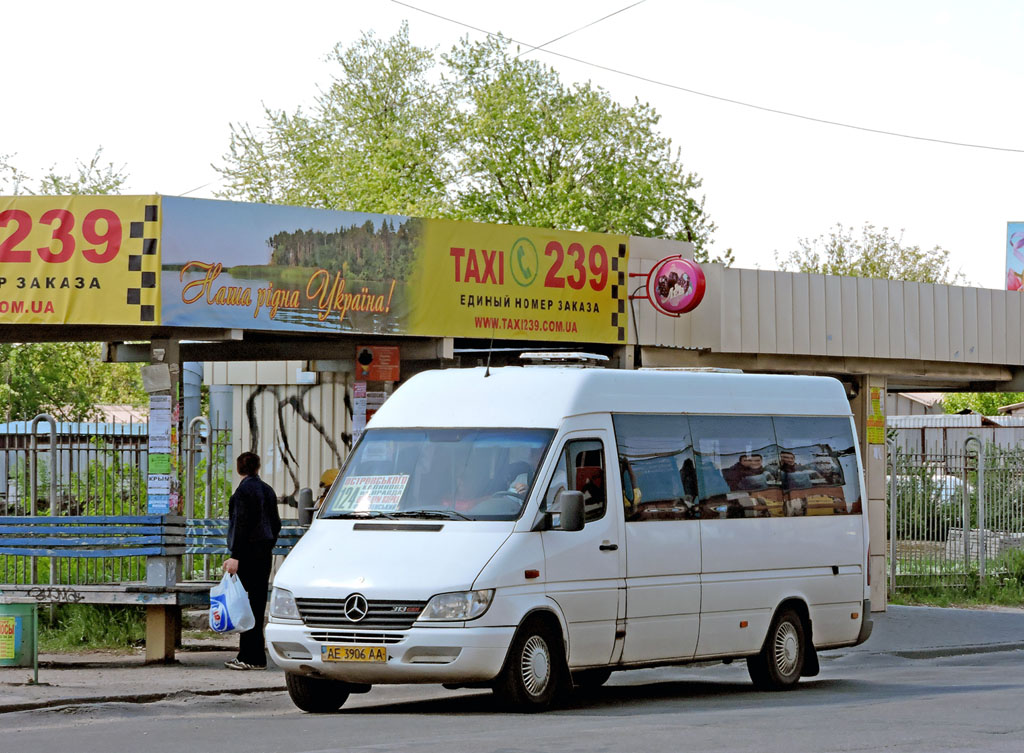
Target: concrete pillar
[(222, 416), (869, 413), (161, 380), (163, 627), (192, 381)]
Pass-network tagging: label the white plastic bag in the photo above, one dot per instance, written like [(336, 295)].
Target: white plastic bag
[(230, 611)]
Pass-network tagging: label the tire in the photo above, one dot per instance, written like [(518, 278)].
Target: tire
[(590, 679), (781, 660), (534, 671), (314, 695)]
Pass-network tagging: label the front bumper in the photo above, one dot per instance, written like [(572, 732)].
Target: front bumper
[(450, 654)]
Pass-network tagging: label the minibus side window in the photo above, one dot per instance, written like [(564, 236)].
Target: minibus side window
[(737, 464), (817, 466), (656, 460), (580, 468)]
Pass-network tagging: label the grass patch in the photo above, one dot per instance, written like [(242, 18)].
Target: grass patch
[(1003, 587), (997, 591), (91, 627)]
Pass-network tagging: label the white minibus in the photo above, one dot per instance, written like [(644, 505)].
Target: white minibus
[(532, 529)]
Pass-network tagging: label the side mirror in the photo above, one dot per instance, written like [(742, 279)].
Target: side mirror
[(305, 504), (570, 511)]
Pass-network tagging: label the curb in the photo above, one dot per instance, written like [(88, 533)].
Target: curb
[(135, 698), (936, 653)]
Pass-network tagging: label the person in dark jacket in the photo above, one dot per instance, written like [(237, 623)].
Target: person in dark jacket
[(253, 526)]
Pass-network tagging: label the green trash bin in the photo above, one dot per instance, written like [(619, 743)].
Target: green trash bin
[(18, 631)]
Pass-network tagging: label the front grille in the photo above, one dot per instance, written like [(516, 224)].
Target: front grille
[(385, 615), (348, 636)]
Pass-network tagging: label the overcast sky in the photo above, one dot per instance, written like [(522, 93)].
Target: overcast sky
[(157, 85)]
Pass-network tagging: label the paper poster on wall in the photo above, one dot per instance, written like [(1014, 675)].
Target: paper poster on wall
[(876, 418), (159, 483), (358, 410), (10, 629), (160, 424), (158, 504), (378, 363), (159, 463), (374, 400)]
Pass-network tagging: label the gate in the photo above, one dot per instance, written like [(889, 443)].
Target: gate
[(956, 518)]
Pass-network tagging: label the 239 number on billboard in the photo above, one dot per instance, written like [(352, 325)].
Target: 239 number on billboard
[(101, 230), (582, 266)]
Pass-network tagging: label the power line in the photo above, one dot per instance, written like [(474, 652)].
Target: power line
[(707, 95), (532, 48)]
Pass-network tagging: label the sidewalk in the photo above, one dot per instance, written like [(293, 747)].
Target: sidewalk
[(927, 632), (73, 679), (104, 677)]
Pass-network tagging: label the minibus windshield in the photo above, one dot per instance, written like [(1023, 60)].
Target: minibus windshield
[(457, 474)]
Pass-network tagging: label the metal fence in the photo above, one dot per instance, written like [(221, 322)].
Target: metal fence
[(60, 468), (955, 518), (207, 462)]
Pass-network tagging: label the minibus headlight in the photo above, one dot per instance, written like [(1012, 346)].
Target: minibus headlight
[(461, 605), (282, 605)]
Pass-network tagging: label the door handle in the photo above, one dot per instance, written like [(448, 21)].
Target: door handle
[(607, 546)]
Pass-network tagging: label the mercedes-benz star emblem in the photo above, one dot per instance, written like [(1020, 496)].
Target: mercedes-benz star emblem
[(356, 607)]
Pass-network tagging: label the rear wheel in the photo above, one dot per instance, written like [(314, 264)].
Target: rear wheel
[(315, 695), (781, 660), (534, 671)]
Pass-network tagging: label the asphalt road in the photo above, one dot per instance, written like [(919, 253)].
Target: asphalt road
[(860, 702)]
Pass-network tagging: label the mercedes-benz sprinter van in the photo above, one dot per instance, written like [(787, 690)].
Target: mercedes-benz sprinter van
[(534, 529)]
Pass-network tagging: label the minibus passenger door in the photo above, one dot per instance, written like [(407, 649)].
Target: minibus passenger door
[(584, 568)]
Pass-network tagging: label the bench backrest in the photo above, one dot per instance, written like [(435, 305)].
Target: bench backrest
[(124, 536), (92, 535), (209, 536)]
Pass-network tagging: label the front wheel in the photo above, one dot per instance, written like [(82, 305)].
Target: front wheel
[(781, 660), (315, 695), (533, 673)]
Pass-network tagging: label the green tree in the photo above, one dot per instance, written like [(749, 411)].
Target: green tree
[(92, 177), (876, 253), (478, 134), (375, 140), (11, 177), (985, 403), (65, 379)]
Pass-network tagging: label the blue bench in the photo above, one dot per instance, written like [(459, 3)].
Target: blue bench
[(165, 536), (209, 536), (93, 536)]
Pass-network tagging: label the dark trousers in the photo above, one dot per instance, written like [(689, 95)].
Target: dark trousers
[(254, 573)]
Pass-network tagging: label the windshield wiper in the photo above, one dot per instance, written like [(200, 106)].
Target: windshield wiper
[(448, 514), (359, 514)]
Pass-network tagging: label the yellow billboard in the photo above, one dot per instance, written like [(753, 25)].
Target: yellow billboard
[(178, 262), (513, 282), (79, 260)]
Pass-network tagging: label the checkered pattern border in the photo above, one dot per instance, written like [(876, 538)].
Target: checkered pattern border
[(619, 293), (143, 260)]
